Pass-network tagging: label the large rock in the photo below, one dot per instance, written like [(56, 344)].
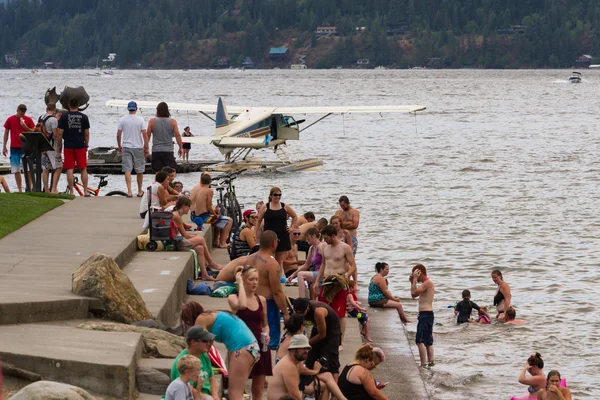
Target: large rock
[(100, 277), (47, 390), (157, 343), (152, 381)]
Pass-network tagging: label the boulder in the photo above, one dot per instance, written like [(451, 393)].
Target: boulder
[(100, 277), (151, 381), (157, 343), (47, 390)]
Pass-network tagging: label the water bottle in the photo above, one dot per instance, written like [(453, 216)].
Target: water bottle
[(264, 344)]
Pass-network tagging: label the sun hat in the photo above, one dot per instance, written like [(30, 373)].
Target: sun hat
[(299, 342)]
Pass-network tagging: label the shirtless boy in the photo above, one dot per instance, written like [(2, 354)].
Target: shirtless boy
[(337, 259), (350, 220), (425, 292), (202, 196), (269, 285)]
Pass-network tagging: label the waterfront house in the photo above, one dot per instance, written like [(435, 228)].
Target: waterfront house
[(248, 63), (362, 62), (278, 53), (326, 31)]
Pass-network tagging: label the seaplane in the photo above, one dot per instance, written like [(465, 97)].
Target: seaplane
[(248, 129)]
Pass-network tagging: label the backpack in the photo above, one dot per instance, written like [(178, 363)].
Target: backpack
[(233, 248), (41, 126)]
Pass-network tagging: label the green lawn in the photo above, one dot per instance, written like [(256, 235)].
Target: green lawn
[(19, 209)]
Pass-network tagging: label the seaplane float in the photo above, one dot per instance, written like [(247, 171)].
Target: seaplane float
[(248, 129)]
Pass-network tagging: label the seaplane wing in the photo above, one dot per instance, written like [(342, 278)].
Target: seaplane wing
[(202, 108), (348, 109)]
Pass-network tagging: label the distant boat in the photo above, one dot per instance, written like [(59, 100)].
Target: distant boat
[(34, 71), (108, 72), (575, 77), (94, 74), (593, 66), (298, 66), (380, 67)]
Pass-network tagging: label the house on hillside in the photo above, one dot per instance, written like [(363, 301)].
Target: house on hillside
[(49, 65), (278, 53), (326, 31), (363, 62), (222, 62), (583, 61), (520, 29), (111, 57), (13, 59), (249, 63), (396, 29)]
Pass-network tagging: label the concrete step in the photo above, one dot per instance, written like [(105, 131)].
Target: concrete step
[(102, 362)]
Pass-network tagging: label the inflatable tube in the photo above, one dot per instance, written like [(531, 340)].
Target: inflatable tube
[(563, 383)]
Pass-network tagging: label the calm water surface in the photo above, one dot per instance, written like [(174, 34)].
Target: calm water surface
[(501, 171)]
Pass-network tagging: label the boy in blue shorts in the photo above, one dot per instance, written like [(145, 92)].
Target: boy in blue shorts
[(356, 311)]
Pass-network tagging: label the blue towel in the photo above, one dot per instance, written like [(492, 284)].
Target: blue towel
[(202, 289)]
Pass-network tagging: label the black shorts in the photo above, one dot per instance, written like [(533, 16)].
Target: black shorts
[(187, 146), (425, 328), (162, 159)]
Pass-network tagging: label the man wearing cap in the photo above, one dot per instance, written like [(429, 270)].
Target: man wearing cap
[(199, 342), (16, 124), (244, 242), (134, 146), (286, 377)]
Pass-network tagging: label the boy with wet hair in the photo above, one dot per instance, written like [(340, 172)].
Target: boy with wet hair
[(464, 308)]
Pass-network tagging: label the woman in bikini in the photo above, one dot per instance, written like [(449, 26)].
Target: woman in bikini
[(242, 347), (342, 234), (380, 296), (502, 297), (252, 309), (537, 380)]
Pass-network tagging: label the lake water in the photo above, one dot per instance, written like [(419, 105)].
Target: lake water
[(501, 171)]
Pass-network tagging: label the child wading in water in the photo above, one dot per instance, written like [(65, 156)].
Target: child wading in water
[(356, 311), (465, 307)]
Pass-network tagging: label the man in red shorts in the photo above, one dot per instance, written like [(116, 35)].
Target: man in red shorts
[(74, 128), (337, 260)]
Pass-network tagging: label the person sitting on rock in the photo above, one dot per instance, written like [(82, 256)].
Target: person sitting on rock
[(199, 342)]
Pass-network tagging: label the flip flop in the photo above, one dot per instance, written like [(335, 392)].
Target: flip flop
[(129, 195), (140, 195)]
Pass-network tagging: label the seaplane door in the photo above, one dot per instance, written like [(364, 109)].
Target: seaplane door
[(287, 128), (274, 127)]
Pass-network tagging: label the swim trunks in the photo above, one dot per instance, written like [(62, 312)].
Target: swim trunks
[(361, 316), (219, 221), (425, 328)]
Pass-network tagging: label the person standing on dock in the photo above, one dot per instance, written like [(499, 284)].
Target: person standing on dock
[(133, 146), (425, 292), (187, 146), (15, 125), (350, 219), (164, 129), (74, 128)]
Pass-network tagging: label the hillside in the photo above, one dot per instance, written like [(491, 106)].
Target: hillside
[(209, 33)]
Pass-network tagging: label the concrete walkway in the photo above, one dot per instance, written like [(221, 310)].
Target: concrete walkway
[(36, 261)]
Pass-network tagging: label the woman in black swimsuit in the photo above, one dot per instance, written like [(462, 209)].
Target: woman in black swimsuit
[(502, 297), (355, 380), (186, 146), (275, 214)]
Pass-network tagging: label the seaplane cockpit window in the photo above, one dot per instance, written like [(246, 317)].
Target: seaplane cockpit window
[(287, 120)]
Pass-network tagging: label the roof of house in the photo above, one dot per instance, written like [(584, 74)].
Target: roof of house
[(278, 50)]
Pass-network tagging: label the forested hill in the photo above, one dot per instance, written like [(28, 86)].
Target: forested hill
[(204, 33)]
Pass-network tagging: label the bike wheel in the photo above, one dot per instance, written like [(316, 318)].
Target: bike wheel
[(116, 193), (233, 211)]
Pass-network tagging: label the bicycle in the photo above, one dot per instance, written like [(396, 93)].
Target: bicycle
[(78, 186), (228, 203)]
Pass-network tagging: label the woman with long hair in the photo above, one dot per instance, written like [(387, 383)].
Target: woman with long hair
[(164, 129), (252, 309), (553, 390), (187, 146), (275, 214), (314, 259), (242, 347)]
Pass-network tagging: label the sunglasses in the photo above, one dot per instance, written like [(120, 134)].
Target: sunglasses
[(247, 267), (276, 194), (253, 217), (297, 234)]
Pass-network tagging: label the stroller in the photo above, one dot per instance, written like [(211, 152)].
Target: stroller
[(160, 225)]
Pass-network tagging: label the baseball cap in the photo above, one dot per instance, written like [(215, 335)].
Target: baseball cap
[(199, 333), (299, 342), (249, 212), (132, 106)]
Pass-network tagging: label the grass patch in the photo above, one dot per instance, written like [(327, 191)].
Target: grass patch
[(19, 209), (63, 196)]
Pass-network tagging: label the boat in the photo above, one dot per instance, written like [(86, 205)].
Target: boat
[(94, 74), (298, 66), (575, 77), (108, 73)]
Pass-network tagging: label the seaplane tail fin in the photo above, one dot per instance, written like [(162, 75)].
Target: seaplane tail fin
[(222, 119)]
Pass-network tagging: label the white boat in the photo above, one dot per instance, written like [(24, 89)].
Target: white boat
[(298, 66), (575, 77)]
